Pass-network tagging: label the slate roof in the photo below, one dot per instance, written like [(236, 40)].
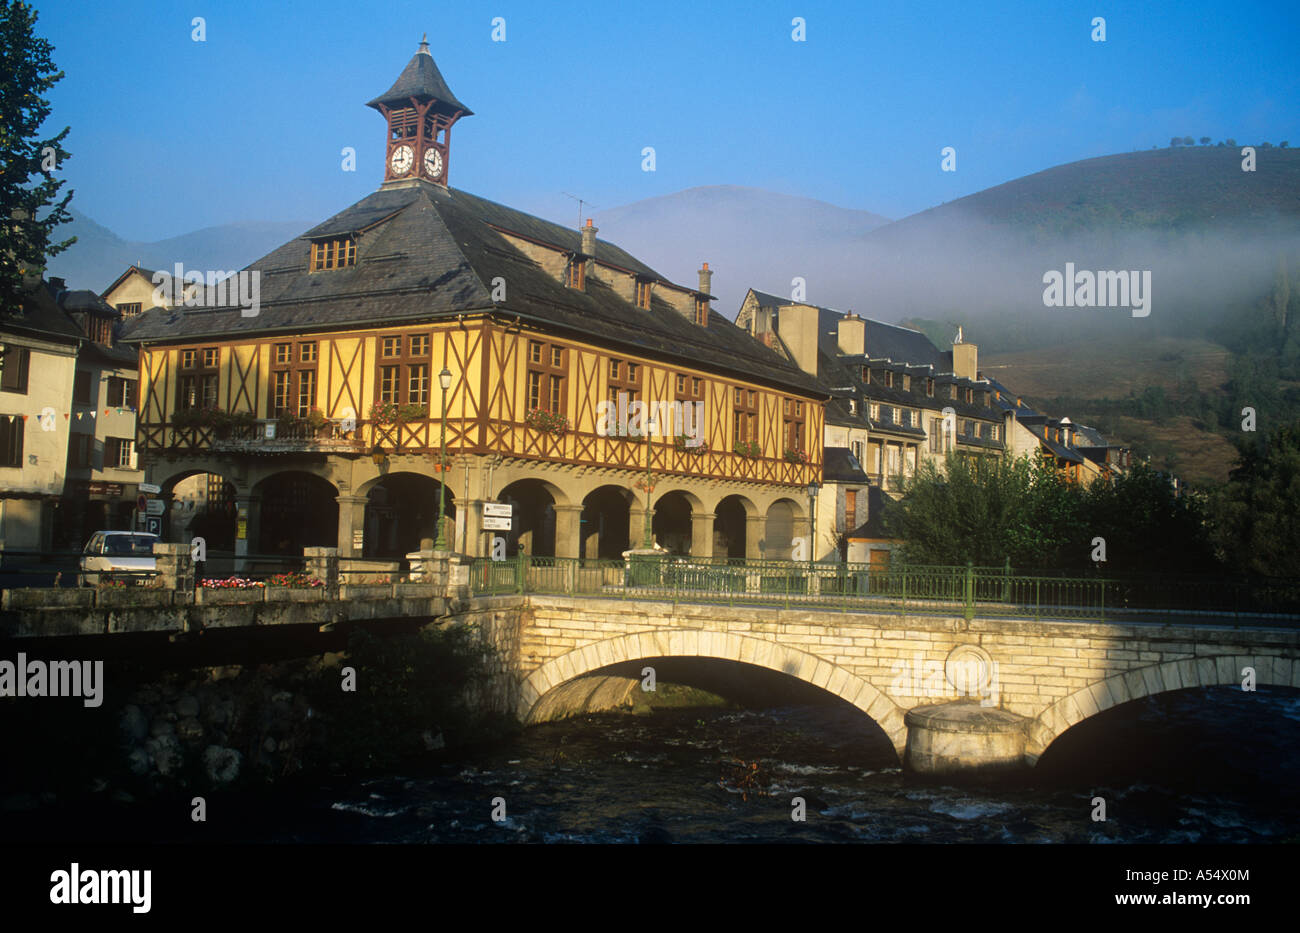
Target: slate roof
[(83, 299), (421, 78), (840, 466), (883, 340), (42, 317), (878, 506), (429, 252)]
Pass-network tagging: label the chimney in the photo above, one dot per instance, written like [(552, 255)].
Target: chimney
[(798, 325), (589, 240), (965, 358), (706, 280), (852, 333)]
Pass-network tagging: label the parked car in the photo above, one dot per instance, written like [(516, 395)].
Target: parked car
[(121, 555)]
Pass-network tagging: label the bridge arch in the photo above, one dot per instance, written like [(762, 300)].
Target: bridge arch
[(673, 643), (1216, 671)]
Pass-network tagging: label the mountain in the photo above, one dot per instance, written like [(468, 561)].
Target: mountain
[(99, 256), (748, 236)]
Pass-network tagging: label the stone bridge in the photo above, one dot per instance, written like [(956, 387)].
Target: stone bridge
[(949, 693)]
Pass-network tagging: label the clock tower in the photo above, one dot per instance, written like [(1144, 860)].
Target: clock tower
[(420, 110)]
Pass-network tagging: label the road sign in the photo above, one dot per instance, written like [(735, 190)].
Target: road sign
[(149, 487), (153, 525), (497, 516), (141, 503), (155, 507)]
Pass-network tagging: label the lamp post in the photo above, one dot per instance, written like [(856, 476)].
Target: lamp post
[(444, 380), (647, 540), (813, 489)]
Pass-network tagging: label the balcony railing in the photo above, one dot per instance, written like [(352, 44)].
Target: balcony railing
[(984, 592)]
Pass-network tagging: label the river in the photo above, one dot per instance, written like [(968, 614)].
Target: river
[(1212, 766)]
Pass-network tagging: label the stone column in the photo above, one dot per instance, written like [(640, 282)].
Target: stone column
[(323, 564), (248, 518), (755, 532), (702, 534), (352, 525), (476, 542), (174, 565), (636, 526), (568, 525)]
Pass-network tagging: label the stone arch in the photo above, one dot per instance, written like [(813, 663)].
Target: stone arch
[(534, 501), (674, 511), (606, 525), (200, 506), (734, 516), (786, 519), (297, 509), (401, 512), (1217, 671), (723, 646)]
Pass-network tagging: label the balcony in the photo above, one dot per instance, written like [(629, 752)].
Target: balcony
[(272, 437)]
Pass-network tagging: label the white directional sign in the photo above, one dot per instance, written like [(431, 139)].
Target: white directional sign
[(155, 507), (150, 488), (496, 516)]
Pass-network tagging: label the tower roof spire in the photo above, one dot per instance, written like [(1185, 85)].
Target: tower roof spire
[(422, 79)]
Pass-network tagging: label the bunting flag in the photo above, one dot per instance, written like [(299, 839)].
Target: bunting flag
[(106, 411), (66, 415), (92, 414)]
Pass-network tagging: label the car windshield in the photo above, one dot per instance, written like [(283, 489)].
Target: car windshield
[(129, 545)]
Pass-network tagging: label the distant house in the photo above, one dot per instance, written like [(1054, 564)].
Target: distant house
[(67, 421), (898, 400), (133, 292), (1078, 452), (103, 465), (38, 359)]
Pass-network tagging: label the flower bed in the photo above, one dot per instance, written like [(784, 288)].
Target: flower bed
[(796, 456), (231, 583), (748, 448)]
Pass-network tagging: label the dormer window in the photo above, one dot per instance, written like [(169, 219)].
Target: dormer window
[(866, 374), (643, 293), (577, 274), (333, 254), (929, 388), (889, 379)]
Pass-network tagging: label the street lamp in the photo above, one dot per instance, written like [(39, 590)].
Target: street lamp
[(444, 380), (813, 488)]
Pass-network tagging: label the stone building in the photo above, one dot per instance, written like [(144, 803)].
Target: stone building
[(325, 408), (898, 401)]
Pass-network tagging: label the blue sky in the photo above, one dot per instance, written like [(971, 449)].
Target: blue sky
[(170, 135)]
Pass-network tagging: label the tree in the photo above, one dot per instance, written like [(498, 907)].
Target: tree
[(1188, 141), (1283, 144), (1205, 140), (1258, 510), (1232, 142), (1175, 141), (987, 512), (26, 73)]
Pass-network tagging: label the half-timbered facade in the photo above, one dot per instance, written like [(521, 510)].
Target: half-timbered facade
[(325, 411)]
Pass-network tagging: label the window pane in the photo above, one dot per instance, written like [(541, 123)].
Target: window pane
[(418, 386)]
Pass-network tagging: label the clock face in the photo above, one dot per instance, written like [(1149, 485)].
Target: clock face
[(401, 160), (433, 163)]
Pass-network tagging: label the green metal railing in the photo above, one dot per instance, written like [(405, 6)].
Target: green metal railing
[(984, 592)]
